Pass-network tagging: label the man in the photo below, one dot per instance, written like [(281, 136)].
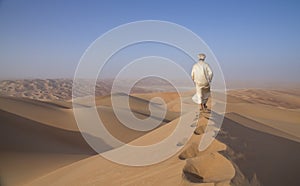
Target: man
[(202, 76)]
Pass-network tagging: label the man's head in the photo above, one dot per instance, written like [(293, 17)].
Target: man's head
[(201, 57)]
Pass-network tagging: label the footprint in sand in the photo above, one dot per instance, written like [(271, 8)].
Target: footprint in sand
[(182, 142), (194, 124)]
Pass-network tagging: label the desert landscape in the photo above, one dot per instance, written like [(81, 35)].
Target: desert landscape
[(149, 93), (258, 144)]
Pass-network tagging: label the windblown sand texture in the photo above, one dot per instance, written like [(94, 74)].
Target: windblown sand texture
[(40, 144)]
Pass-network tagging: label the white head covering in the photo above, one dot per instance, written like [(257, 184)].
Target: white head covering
[(202, 56)]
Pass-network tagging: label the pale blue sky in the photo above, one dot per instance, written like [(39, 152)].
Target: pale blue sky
[(256, 40)]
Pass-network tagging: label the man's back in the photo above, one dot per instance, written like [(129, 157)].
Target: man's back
[(202, 74)]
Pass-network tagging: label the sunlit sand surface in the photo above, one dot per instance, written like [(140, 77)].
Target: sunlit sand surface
[(42, 145)]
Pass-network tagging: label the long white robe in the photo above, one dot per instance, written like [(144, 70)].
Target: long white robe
[(202, 75)]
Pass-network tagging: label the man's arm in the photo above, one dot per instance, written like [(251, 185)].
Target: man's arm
[(192, 74), (209, 72)]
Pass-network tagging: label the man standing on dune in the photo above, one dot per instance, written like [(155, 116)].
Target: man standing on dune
[(202, 76)]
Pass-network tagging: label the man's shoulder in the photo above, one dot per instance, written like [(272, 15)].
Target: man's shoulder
[(195, 65), (205, 64), (199, 64)]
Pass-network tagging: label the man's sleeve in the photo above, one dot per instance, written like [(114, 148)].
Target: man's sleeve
[(209, 72), (192, 73)]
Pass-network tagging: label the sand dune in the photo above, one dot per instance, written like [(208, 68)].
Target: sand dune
[(169, 172), (271, 159), (42, 112), (137, 105), (31, 128), (286, 120), (61, 89), (41, 134), (262, 127), (41, 144), (285, 98), (38, 89), (19, 168), (31, 136), (29, 149)]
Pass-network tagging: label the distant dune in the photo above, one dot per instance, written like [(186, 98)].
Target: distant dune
[(61, 89), (278, 109), (284, 98), (41, 144)]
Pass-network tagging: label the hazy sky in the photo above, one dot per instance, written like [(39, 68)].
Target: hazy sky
[(253, 40)]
